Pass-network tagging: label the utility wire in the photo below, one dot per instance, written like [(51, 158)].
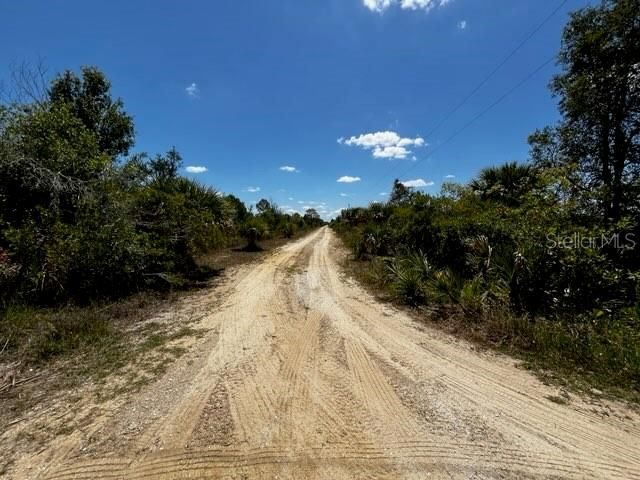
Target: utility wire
[(498, 67), (482, 113), (487, 78)]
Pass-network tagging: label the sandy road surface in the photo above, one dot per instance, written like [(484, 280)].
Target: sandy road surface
[(304, 375)]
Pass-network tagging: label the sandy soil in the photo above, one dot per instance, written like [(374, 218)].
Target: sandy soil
[(302, 374)]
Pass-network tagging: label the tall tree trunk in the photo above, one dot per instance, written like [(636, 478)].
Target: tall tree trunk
[(619, 160), (620, 152), (606, 169)]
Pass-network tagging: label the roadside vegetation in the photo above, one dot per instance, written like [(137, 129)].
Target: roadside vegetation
[(541, 258), (85, 223)]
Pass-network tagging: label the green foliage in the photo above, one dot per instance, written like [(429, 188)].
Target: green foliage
[(89, 99), (514, 272), (311, 215), (264, 206), (408, 277), (238, 212), (164, 168), (444, 286), (473, 296), (399, 193), (505, 184), (77, 222), (61, 331), (599, 99), (543, 256)]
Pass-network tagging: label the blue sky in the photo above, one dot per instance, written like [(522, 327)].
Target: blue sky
[(335, 89)]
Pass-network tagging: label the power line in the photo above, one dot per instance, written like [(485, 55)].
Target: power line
[(487, 78), (482, 113), (498, 67)]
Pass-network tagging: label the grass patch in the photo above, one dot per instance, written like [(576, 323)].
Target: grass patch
[(62, 347), (66, 346), (35, 336)]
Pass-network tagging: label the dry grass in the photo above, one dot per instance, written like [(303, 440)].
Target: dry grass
[(44, 351), (577, 356)]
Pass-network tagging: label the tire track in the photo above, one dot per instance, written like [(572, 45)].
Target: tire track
[(452, 454), (321, 381)]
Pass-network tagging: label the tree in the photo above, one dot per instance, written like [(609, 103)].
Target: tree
[(47, 159), (89, 99), (165, 167), (312, 216), (263, 206), (505, 183), (239, 209), (599, 92), (399, 193)]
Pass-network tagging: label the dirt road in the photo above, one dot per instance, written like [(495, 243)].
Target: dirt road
[(304, 375)]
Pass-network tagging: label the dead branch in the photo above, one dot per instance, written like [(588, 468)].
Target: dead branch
[(29, 84)]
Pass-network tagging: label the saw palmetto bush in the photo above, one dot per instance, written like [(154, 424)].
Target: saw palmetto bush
[(543, 254), (473, 296), (408, 276), (82, 218), (445, 286), (406, 282)]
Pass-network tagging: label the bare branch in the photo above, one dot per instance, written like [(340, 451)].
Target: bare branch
[(29, 84)]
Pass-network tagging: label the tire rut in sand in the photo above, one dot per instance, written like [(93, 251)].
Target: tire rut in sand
[(241, 335), (312, 378), (457, 456)]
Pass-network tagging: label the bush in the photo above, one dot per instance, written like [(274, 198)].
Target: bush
[(473, 296), (79, 221), (501, 263), (407, 282), (444, 286)]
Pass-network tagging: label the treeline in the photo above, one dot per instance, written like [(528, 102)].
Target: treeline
[(543, 256), (81, 218)]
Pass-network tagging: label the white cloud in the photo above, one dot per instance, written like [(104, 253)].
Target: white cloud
[(381, 139), (288, 168), (386, 144), (449, 176), (417, 4), (193, 90), (348, 179), (382, 5), (195, 169), (290, 199), (391, 152), (377, 5), (417, 183), (462, 24), (253, 189), (344, 194), (383, 194)]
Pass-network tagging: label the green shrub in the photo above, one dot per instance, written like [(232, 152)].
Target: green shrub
[(79, 222), (473, 296), (444, 286), (407, 282)]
